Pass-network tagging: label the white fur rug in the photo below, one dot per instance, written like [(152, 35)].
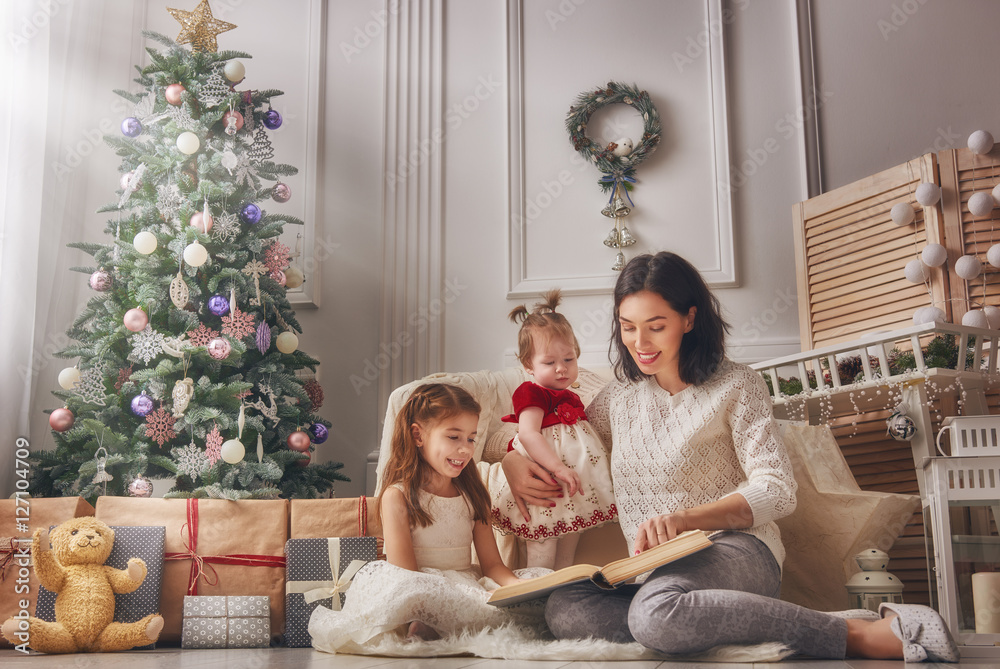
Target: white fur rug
[(513, 642)]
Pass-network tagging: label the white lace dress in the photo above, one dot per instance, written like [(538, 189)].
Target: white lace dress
[(447, 593)]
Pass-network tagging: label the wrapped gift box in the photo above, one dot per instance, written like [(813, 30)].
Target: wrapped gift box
[(346, 517), (15, 546), (318, 573), (226, 622), (130, 542), (213, 547)]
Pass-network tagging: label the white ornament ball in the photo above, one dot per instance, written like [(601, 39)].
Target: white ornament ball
[(980, 142), (975, 319), (993, 255), (294, 277), (968, 267), (235, 71), (915, 271), (919, 317), (287, 342), (934, 255), (981, 204), (195, 254), (188, 143), (996, 195), (934, 314), (992, 316), (928, 194), (144, 242), (902, 213), (69, 377), (232, 451)]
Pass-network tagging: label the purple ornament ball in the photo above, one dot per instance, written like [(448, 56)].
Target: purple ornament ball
[(263, 337), (272, 119), (131, 127), (281, 193), (319, 433), (218, 305), (250, 214), (142, 404)]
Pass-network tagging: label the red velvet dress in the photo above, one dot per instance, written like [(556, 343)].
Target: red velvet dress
[(566, 429)]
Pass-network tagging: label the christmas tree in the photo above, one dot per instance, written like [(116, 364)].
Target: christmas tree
[(187, 351)]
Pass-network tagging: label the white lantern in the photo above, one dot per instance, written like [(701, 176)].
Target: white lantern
[(188, 143), (981, 204), (287, 342), (69, 377), (975, 318), (928, 194), (915, 271), (873, 584), (993, 255), (235, 71), (934, 255), (992, 316), (144, 242), (968, 267), (996, 195), (980, 142), (195, 254), (902, 213), (232, 451)]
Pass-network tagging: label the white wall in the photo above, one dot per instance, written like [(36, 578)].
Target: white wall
[(886, 93)]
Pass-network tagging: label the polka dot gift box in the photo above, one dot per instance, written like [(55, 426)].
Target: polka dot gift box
[(318, 573), (234, 621), (141, 542)]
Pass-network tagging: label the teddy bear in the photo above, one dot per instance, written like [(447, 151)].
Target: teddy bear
[(85, 593)]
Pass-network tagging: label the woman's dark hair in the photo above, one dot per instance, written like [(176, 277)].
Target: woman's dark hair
[(679, 283)]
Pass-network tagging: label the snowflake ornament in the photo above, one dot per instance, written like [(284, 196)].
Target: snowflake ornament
[(191, 460), (213, 446), (169, 201), (90, 387), (202, 335), (276, 257), (182, 117), (227, 227), (160, 426), (123, 375), (238, 324), (146, 345)]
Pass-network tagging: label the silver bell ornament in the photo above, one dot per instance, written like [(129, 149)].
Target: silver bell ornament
[(611, 241), (625, 237), (901, 427), (620, 208), (608, 210), (619, 262)]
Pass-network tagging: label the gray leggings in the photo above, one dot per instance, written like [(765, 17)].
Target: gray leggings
[(725, 594)]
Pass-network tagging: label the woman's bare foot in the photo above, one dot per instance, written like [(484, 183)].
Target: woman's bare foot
[(418, 630), (873, 640)]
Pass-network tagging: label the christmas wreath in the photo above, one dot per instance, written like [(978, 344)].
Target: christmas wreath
[(617, 160)]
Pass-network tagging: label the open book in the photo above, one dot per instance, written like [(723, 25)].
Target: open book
[(609, 576)]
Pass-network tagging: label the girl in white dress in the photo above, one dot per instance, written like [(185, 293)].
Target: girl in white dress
[(553, 431), (433, 508)]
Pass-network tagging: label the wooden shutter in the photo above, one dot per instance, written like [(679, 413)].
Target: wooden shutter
[(849, 256), (962, 174)]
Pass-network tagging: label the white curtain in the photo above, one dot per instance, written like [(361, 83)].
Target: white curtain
[(60, 61)]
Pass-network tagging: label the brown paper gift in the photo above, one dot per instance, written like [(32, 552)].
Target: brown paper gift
[(213, 547), (36, 512), (346, 517)]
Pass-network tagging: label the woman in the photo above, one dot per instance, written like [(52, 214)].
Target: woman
[(695, 446)]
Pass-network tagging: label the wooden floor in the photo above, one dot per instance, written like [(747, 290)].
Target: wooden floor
[(302, 658)]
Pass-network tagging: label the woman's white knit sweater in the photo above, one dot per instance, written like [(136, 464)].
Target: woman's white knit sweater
[(673, 452)]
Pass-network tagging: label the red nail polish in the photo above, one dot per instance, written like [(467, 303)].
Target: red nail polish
[(552, 504)]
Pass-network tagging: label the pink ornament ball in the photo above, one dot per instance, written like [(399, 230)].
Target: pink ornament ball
[(232, 121), (304, 462), (279, 276), (173, 94), (100, 281), (219, 348), (281, 192), (299, 441), (201, 222), (136, 320), (61, 420)]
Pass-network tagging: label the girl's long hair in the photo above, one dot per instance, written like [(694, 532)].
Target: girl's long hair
[(427, 406), (681, 285), (544, 321)]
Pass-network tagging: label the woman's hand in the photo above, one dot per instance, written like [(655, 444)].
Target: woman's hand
[(658, 530), (529, 483)]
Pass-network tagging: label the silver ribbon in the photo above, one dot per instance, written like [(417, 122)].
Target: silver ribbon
[(909, 633), (313, 591)]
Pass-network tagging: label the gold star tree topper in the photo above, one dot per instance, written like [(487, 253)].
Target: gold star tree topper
[(199, 28)]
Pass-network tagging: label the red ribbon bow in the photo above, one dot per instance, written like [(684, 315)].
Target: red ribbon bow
[(199, 562)]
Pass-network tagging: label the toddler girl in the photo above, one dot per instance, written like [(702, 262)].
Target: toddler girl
[(552, 430), (433, 508)]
